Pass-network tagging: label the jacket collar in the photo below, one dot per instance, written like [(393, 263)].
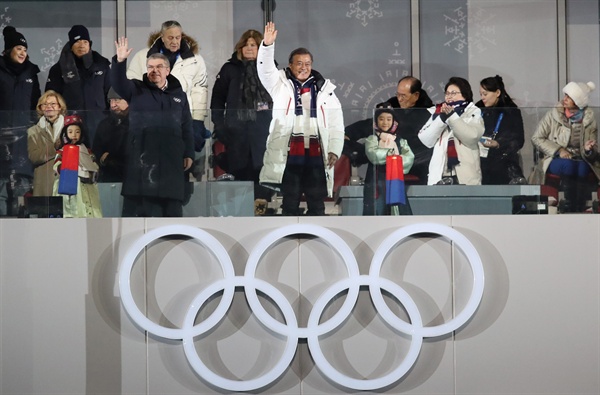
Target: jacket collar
[(172, 83), (189, 46)]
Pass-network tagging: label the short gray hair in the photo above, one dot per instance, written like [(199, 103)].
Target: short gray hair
[(168, 25)]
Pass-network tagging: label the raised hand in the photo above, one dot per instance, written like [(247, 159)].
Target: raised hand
[(270, 33), (123, 49)]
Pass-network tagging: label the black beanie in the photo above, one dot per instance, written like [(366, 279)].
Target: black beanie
[(78, 32), (12, 38)]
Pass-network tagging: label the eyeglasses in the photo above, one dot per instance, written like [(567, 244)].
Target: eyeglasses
[(160, 67), (51, 105), (403, 96), (451, 94)]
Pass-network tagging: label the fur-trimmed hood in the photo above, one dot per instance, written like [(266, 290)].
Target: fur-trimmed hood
[(187, 42)]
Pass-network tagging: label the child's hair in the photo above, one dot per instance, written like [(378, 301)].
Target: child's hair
[(73, 120)]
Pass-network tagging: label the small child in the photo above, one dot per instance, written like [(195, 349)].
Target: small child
[(382, 143), (81, 199)]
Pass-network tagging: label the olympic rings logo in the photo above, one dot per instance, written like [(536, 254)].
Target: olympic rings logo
[(290, 329)]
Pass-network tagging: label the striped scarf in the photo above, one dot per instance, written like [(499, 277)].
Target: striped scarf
[(300, 156), (452, 154), (301, 88)]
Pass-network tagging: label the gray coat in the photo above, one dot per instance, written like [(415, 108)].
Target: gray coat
[(554, 132)]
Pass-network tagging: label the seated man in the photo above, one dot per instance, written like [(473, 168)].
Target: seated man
[(413, 103)]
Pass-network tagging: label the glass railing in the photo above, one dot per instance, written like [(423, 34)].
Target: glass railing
[(147, 159)]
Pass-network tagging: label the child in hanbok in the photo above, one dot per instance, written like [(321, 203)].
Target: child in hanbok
[(76, 172), (382, 143)]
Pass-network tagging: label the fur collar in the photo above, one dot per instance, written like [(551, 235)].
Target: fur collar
[(192, 44)]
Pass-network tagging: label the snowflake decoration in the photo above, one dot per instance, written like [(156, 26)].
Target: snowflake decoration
[(51, 54), (364, 14), (397, 59), (455, 28), (178, 8), (5, 19), (484, 30), (480, 23)]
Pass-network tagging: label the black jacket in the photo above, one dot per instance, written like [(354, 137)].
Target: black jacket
[(111, 136), (160, 135), (245, 139), (19, 94), (510, 136), (89, 92), (502, 164)]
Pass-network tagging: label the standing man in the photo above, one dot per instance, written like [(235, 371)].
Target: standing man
[(306, 135), (81, 77), (188, 66), (161, 142)]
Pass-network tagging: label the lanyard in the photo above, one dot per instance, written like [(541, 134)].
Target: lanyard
[(495, 132)]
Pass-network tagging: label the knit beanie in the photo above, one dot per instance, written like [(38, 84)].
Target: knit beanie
[(579, 92), (12, 38), (78, 32), (112, 94)]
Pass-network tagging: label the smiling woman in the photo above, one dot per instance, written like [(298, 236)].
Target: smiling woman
[(453, 131)]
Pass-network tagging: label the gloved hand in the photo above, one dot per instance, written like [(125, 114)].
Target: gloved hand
[(200, 134)]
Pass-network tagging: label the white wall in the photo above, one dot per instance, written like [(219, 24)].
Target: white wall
[(64, 330)]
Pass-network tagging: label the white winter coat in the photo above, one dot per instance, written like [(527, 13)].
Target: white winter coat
[(191, 73), (466, 129), (330, 120)]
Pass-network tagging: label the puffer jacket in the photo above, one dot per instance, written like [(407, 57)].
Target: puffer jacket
[(189, 69), (554, 132), (330, 119), (19, 93), (466, 130)]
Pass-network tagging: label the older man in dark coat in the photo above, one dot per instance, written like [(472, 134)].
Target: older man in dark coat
[(81, 77), (161, 139)]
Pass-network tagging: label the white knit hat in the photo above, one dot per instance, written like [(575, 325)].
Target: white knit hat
[(579, 92)]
